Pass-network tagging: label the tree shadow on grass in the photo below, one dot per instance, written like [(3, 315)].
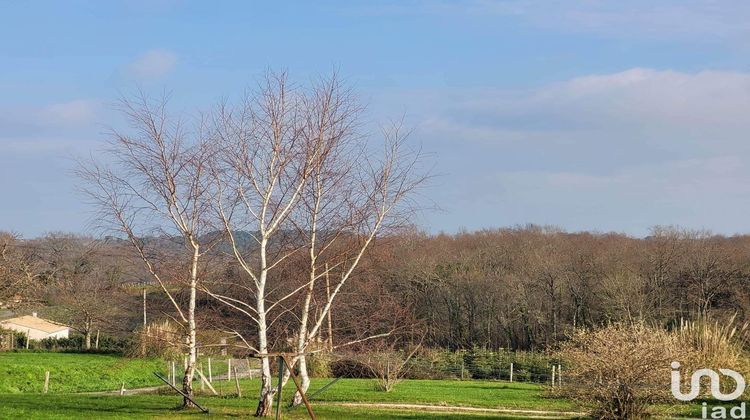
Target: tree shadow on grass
[(94, 406)]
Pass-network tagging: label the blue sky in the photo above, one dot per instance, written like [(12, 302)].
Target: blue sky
[(589, 115)]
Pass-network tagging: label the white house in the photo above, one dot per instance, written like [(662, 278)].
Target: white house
[(36, 328)]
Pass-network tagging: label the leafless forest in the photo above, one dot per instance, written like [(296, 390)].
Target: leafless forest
[(518, 288)]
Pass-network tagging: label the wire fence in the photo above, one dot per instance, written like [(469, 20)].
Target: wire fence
[(461, 365), (219, 368)]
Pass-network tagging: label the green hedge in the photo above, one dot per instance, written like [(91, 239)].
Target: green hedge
[(481, 364)]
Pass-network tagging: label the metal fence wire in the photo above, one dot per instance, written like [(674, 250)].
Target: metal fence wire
[(462, 365)]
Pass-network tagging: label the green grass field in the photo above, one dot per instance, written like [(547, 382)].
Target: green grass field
[(71, 372), (24, 372), (485, 394), (164, 407), (22, 376)]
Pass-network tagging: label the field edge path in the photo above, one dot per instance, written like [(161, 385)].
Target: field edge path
[(456, 408)]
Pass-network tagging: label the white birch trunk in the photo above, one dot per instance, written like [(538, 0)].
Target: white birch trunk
[(265, 403), (187, 380)]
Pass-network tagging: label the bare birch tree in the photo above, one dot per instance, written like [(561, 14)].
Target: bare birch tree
[(261, 175), (296, 176), (328, 207), (347, 199), (150, 186)]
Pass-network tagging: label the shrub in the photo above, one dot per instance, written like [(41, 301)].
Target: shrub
[(347, 367), (479, 364), (621, 369), (435, 364), (158, 339), (74, 344), (484, 364), (388, 367), (717, 344), (319, 365)]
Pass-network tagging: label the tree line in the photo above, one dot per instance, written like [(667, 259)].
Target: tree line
[(529, 287), (520, 288)]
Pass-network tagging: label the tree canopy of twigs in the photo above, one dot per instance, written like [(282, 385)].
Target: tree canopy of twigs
[(151, 185)]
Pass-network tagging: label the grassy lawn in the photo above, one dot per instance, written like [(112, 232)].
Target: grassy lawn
[(161, 406), (24, 372), (79, 372), (22, 376), (52, 406), (485, 394)]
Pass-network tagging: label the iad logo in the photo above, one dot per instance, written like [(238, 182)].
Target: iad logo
[(737, 412), (695, 384)]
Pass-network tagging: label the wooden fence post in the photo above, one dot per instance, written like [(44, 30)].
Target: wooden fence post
[(511, 372), (210, 375), (281, 377), (462, 369), (203, 385), (559, 375), (237, 384), (122, 389), (28, 338), (46, 381), (174, 381), (553, 375), (204, 380), (229, 370)]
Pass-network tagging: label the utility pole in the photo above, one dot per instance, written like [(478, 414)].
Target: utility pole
[(330, 324), (144, 306)]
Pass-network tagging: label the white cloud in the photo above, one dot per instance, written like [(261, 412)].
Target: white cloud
[(19, 120), (152, 64), (664, 19), (675, 19), (677, 109), (709, 193), (52, 129), (69, 113), (656, 98), (621, 151)]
